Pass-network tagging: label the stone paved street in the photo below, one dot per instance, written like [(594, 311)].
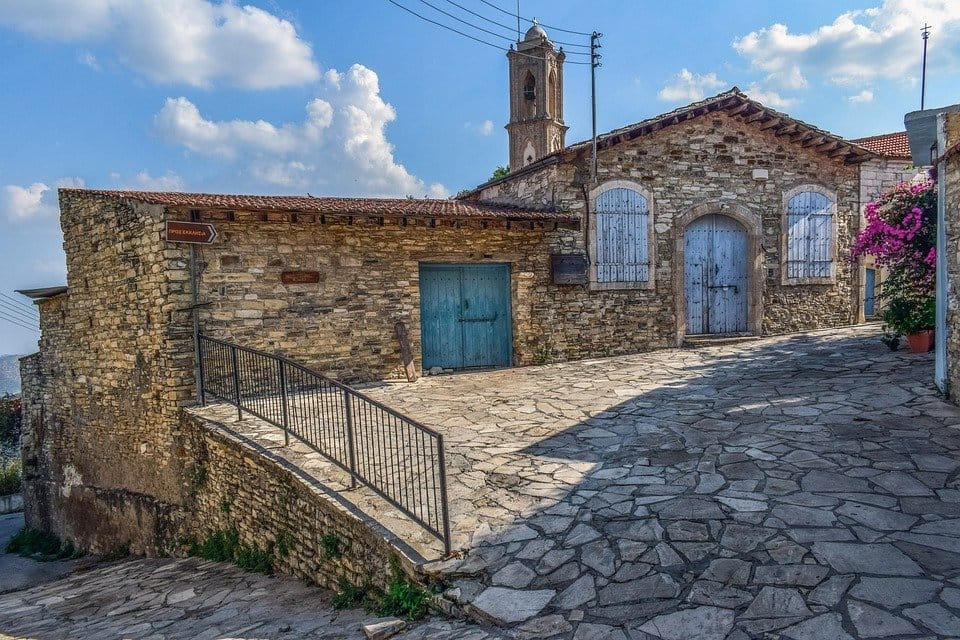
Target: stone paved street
[(189, 599), (802, 487)]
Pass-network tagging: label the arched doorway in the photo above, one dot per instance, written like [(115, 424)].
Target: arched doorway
[(715, 285)]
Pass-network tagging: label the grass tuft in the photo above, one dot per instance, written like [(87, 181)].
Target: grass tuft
[(225, 546), (403, 599), (331, 546), (41, 545), (350, 596)]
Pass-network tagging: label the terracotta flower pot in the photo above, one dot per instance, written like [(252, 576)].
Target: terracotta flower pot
[(921, 341)]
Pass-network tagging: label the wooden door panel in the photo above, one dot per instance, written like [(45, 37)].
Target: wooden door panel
[(715, 275), (465, 316)]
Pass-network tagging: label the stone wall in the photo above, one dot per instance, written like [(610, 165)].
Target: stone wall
[(237, 484), (369, 280), (102, 456), (705, 164), (952, 217)]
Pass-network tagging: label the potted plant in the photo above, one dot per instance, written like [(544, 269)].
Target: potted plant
[(914, 319), (901, 232)]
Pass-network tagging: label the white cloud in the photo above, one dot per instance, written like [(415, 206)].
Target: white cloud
[(864, 96), (87, 59), (485, 128), (769, 98), (21, 203), (71, 183), (687, 86), (181, 121), (858, 47), (34, 201), (339, 147), (143, 181), (196, 42)]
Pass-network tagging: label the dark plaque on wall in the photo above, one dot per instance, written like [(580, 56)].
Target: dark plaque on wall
[(300, 277), (569, 268)]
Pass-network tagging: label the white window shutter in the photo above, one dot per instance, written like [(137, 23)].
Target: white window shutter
[(622, 252), (809, 236)]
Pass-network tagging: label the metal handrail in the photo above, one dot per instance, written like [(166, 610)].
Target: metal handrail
[(398, 458)]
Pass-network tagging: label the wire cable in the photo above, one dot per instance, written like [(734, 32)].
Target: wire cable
[(500, 24), (466, 35), (513, 15), (469, 24), (22, 325), (19, 310), (8, 308), (28, 307)]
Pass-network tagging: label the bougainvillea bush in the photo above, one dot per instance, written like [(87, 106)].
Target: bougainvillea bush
[(901, 235)]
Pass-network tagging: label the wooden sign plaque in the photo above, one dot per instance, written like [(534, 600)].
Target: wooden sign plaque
[(300, 277)]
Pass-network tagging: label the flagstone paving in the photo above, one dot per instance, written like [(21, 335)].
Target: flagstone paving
[(800, 487), (152, 599)]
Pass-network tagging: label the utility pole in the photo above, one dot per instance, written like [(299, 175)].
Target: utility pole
[(925, 33), (594, 63)]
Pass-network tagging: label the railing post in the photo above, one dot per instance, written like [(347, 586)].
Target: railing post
[(348, 408), (200, 373), (236, 381), (283, 404), (444, 510)]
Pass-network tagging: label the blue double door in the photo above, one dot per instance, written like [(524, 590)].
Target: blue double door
[(465, 315)]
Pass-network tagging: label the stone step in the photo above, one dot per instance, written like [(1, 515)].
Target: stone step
[(717, 339)]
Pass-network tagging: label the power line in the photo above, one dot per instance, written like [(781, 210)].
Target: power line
[(514, 15), (22, 325), (500, 24), (29, 307), (14, 311), (466, 35), (462, 21), (20, 309)]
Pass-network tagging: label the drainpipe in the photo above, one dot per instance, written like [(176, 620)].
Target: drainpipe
[(940, 366)]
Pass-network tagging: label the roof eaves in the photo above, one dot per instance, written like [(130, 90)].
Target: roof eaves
[(43, 293), (740, 103)]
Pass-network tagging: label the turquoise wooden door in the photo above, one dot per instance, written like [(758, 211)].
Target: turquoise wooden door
[(465, 315)]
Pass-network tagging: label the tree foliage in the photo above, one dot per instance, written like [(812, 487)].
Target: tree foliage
[(500, 172)]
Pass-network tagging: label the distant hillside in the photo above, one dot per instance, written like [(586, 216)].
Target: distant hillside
[(9, 374)]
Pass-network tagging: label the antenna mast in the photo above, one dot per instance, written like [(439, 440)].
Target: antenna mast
[(925, 34), (518, 21)]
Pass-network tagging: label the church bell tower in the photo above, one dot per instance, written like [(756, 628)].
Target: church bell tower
[(536, 126)]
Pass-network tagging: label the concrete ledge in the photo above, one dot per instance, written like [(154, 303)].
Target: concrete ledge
[(11, 503)]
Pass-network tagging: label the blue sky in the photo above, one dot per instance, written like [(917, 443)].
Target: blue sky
[(362, 98)]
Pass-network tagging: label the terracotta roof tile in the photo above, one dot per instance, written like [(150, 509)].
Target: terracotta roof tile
[(386, 207), (891, 145)]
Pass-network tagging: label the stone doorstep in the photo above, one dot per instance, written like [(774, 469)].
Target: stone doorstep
[(717, 340), (11, 503)]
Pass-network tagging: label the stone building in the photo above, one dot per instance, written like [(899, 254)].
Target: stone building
[(891, 166), (949, 184), (721, 217), (950, 194)]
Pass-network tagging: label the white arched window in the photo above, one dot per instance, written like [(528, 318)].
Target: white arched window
[(809, 242), (622, 236)]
